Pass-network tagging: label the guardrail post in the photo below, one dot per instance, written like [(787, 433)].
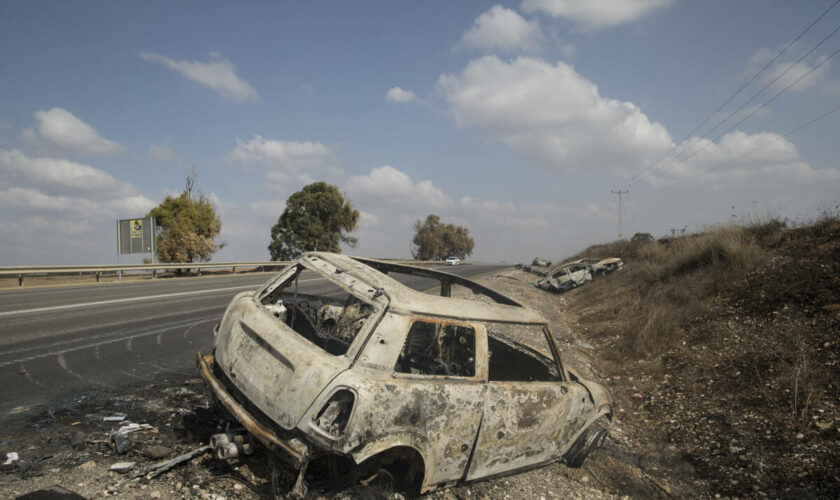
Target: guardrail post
[(445, 288), (199, 271), (154, 273), (234, 270), (97, 276), (20, 280)]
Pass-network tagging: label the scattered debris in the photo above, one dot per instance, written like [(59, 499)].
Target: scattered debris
[(120, 436), (122, 467), (161, 467), (11, 458), (114, 418), (77, 439), (156, 452)]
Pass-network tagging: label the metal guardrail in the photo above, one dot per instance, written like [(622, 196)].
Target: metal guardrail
[(24, 271)]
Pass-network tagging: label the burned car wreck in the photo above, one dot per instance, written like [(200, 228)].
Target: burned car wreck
[(601, 267), (565, 277), (335, 360)]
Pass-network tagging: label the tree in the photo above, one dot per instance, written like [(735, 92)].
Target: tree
[(316, 218), (187, 226), (434, 240)]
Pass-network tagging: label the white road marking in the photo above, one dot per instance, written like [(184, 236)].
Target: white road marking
[(133, 299), (105, 340), (63, 363), (188, 330)]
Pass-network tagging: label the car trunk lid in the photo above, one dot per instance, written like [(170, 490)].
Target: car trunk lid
[(276, 369)]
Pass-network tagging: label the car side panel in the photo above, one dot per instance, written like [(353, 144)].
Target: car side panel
[(527, 423), (437, 411)]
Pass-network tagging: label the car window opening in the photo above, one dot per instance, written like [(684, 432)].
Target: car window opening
[(438, 349), (324, 314), (520, 353)]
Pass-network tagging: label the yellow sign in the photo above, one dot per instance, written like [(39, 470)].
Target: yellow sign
[(136, 230)]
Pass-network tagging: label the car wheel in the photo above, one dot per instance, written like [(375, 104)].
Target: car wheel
[(587, 443)]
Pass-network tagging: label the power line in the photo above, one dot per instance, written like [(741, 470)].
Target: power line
[(768, 143), (742, 106), (744, 86), (742, 120)]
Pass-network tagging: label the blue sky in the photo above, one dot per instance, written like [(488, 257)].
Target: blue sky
[(515, 119)]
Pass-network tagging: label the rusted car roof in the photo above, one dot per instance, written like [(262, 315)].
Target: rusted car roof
[(409, 301)]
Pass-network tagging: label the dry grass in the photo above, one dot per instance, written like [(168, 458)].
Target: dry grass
[(667, 283)]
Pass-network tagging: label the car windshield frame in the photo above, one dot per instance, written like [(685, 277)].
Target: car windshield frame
[(379, 303)]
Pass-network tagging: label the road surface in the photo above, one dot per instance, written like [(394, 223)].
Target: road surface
[(56, 344)]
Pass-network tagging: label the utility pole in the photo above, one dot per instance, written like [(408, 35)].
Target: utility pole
[(673, 231), (619, 193)]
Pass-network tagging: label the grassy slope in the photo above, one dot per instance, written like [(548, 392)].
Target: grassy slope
[(728, 346)]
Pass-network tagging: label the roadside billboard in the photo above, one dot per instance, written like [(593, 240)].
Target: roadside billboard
[(136, 235)]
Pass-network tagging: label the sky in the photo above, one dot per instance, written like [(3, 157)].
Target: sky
[(517, 119)]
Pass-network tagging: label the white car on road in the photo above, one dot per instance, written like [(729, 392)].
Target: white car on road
[(453, 261)]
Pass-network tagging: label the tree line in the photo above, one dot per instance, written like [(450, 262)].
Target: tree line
[(316, 218)]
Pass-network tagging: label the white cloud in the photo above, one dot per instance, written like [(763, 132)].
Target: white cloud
[(60, 130), (218, 74), (784, 73), (162, 152), (59, 211), (397, 94), (552, 115), (502, 214), (368, 219), (55, 175), (268, 208), (740, 161), (387, 185), (504, 30), (223, 208), (283, 160), (595, 14)]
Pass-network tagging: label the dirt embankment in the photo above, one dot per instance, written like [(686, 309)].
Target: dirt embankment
[(725, 352)]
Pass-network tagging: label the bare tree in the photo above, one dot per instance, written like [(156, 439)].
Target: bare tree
[(190, 181)]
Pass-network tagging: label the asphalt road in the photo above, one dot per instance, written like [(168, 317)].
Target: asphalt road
[(56, 344)]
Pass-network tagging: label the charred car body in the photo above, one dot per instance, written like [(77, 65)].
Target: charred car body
[(540, 262), (601, 267), (566, 277), (370, 371)]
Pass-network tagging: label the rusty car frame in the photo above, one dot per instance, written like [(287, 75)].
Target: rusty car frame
[(429, 389)]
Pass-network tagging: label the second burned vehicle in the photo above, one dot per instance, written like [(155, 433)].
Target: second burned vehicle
[(335, 361), (601, 267), (566, 277)]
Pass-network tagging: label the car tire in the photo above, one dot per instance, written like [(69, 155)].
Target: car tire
[(587, 443)]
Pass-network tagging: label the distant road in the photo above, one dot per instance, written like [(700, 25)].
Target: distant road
[(58, 343)]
